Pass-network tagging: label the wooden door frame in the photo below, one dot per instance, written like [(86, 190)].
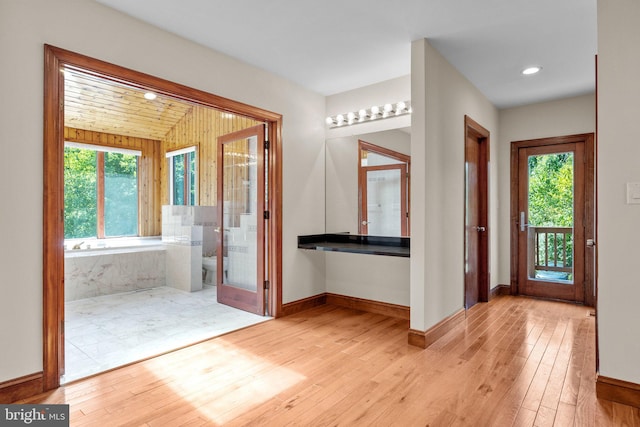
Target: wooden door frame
[(473, 129), (53, 186), (367, 146), (363, 186), (589, 205)]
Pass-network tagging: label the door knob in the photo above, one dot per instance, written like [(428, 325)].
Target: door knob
[(481, 229), (591, 243), (365, 222)]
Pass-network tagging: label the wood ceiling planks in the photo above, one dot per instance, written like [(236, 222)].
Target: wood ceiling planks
[(100, 105)]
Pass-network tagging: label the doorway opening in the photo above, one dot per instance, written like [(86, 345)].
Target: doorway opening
[(552, 210), (476, 235), (171, 186)]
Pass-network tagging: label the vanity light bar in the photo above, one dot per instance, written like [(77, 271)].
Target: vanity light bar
[(374, 113)]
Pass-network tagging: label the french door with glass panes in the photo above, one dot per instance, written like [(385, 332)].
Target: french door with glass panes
[(241, 220)]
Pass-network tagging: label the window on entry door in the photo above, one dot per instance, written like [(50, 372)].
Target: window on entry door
[(550, 203)]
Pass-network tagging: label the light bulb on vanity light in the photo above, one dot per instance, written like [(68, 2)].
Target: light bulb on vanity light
[(400, 107), (388, 108), (340, 119), (329, 121), (375, 110), (351, 116), (362, 115)]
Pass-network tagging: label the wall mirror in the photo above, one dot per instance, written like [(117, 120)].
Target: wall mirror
[(368, 182)]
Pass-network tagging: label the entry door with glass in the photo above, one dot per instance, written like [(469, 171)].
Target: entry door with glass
[(551, 221), (241, 201)]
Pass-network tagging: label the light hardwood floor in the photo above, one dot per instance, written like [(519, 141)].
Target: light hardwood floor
[(515, 361)]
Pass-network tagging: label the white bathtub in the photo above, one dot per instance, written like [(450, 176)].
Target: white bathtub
[(112, 266)]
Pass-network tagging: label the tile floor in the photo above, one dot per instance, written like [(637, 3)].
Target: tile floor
[(109, 331)]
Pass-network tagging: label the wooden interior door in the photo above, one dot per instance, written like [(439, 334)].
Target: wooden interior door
[(476, 268), (551, 255), (241, 218)]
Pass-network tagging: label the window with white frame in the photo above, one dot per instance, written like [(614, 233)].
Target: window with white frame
[(182, 176)]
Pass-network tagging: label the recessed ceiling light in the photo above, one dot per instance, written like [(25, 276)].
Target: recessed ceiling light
[(531, 70), (150, 96)]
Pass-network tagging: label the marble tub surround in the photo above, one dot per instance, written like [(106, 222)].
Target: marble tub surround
[(105, 332), (124, 243), (187, 232), (96, 272)]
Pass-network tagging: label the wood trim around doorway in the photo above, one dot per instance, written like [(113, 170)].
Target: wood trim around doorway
[(473, 129), (362, 182), (55, 59)]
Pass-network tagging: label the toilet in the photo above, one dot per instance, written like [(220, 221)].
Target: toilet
[(209, 267)]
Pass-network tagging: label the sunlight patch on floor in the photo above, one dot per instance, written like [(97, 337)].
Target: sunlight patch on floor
[(243, 381)]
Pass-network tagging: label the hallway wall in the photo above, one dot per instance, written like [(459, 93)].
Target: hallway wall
[(618, 163), (441, 97), (546, 119)]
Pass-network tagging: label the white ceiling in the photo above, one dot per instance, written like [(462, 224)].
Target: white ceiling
[(332, 46)]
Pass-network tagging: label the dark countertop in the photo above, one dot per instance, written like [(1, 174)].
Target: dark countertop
[(355, 243)]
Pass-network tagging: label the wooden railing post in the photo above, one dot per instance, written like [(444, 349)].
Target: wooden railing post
[(548, 249)]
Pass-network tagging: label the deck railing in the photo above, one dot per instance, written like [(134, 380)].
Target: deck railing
[(550, 249)]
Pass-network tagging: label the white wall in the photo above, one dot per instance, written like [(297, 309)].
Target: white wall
[(373, 277), (92, 29), (618, 163), (546, 119), (389, 91), (440, 97)]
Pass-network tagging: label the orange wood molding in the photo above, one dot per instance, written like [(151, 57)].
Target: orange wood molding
[(499, 290), (417, 338), (424, 339), (370, 306), (619, 391), (21, 388), (385, 308), (303, 304)]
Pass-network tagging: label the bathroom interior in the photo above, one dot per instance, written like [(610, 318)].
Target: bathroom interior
[(142, 224)]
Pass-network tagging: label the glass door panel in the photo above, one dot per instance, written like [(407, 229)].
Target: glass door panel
[(241, 190), (550, 214)]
